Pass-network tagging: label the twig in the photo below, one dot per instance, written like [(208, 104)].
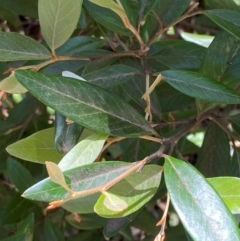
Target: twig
[(136, 167), (162, 30)]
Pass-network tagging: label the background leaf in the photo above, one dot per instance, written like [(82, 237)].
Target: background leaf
[(19, 175), (14, 46), (226, 19), (109, 114), (195, 202), (38, 147), (58, 19), (200, 86), (85, 152), (214, 155)]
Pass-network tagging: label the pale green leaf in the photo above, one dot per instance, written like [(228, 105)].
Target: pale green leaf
[(229, 190), (56, 175), (12, 86), (38, 147), (130, 194), (110, 4), (201, 210), (85, 152), (14, 46), (58, 19)]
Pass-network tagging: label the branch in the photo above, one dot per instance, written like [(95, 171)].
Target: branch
[(188, 14)]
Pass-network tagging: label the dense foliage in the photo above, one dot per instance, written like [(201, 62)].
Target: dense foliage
[(119, 120)]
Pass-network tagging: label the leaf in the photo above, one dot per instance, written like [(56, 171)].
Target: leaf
[(66, 134), (78, 179), (223, 4), (19, 175), (110, 4), (175, 54), (200, 86), (145, 8), (226, 19), (18, 237), (14, 46), (56, 175), (109, 114), (214, 156), (16, 209), (107, 18), (85, 152), (111, 75), (38, 147), (12, 86), (72, 75), (170, 10), (58, 19), (130, 194), (52, 231), (229, 190), (221, 51), (86, 221), (195, 202), (27, 227)]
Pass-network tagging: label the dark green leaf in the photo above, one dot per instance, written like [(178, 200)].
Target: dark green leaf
[(214, 156), (229, 190), (131, 9), (109, 114), (223, 4), (112, 75), (86, 221), (52, 231), (145, 7), (130, 194), (200, 86), (114, 225), (170, 10), (76, 45), (175, 54), (226, 19), (38, 147), (66, 134), (27, 227), (15, 210), (14, 46), (58, 19), (19, 175), (18, 237), (219, 55), (107, 18), (195, 202)]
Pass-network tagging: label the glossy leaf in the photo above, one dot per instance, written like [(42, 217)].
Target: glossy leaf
[(214, 155), (12, 86), (19, 175), (77, 179), (109, 114), (14, 46), (226, 19), (229, 190), (66, 134), (130, 194), (38, 147), (111, 75), (85, 152), (200, 86), (197, 204), (58, 19)]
